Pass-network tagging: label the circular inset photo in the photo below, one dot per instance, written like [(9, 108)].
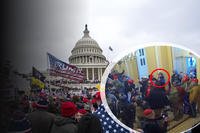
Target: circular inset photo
[(154, 89)]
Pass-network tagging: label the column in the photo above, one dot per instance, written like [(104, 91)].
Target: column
[(101, 72), (93, 74), (157, 56), (87, 73), (86, 59), (99, 75)]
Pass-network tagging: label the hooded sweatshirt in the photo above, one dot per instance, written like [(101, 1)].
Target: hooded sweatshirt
[(64, 125)]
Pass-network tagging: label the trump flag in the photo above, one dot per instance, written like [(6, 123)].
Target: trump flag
[(62, 69)]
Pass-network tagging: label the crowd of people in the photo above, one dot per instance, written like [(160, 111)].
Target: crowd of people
[(140, 106), (146, 103), (45, 112)]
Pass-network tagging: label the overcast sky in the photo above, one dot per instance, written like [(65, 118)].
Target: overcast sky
[(55, 26)]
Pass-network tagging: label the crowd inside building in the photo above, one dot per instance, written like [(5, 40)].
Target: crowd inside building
[(145, 106)]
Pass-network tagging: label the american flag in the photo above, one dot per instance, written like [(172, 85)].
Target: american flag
[(108, 124), (62, 69)]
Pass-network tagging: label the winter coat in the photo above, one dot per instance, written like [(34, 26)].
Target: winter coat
[(154, 126), (41, 121), (157, 99), (89, 124), (64, 125), (128, 115)]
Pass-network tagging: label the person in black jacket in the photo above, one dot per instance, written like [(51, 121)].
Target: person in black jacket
[(129, 88), (157, 100), (152, 124), (128, 115), (89, 123), (144, 85)]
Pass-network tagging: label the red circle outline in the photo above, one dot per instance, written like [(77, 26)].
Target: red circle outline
[(151, 76)]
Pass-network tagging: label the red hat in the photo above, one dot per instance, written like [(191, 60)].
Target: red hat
[(185, 78), (85, 100), (68, 109), (130, 81), (93, 101), (148, 113), (98, 95), (195, 80), (82, 111)]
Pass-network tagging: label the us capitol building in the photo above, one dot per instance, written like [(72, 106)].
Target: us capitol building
[(87, 55)]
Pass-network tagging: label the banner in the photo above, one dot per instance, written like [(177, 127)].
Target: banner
[(37, 79), (62, 69)]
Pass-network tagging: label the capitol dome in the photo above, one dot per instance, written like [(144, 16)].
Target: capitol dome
[(88, 56), (86, 50)]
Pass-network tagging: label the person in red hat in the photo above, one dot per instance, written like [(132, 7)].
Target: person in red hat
[(96, 101), (66, 122), (129, 89), (185, 78), (152, 124), (149, 114), (80, 114)]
